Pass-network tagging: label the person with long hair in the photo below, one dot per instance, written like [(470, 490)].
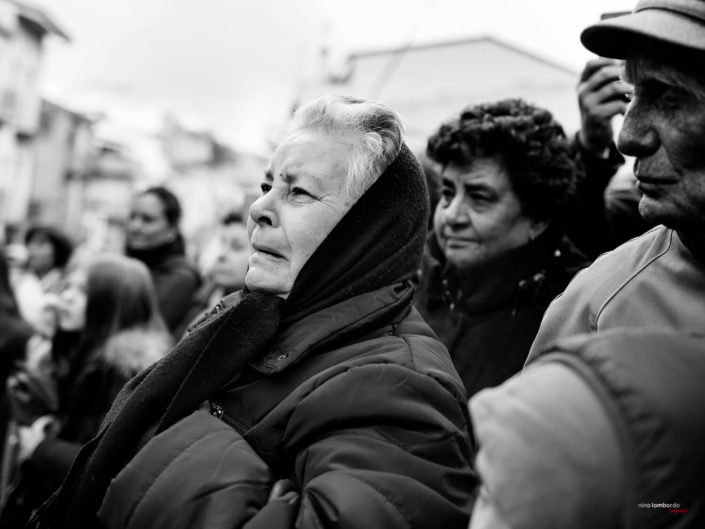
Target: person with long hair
[(154, 237), (109, 330)]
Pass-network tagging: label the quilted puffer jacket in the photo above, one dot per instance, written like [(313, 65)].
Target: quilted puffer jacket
[(367, 422)]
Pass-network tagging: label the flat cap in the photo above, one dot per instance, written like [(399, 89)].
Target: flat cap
[(653, 23)]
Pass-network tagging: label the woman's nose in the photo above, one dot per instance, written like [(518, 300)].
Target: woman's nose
[(638, 137), (134, 224), (456, 211), (263, 210)]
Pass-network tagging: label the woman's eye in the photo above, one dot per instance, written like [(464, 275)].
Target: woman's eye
[(447, 194), (297, 191), (265, 188)]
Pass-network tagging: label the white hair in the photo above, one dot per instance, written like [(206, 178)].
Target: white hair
[(377, 129)]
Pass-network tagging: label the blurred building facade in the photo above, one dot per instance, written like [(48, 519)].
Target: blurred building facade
[(96, 164), (428, 84), (22, 32), (65, 152), (211, 179), (79, 170)]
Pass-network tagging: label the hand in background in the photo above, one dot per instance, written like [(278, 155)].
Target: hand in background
[(30, 436), (601, 96)]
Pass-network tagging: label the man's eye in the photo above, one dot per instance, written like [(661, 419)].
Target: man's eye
[(265, 188)]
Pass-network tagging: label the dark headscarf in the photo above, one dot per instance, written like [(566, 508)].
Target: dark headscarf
[(379, 242)]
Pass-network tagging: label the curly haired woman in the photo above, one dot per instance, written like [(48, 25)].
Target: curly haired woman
[(497, 254)]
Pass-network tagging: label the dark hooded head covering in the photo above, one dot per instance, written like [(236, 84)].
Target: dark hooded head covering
[(379, 242)]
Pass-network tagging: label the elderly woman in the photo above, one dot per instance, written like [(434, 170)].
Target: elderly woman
[(599, 431), (497, 255), (317, 397)]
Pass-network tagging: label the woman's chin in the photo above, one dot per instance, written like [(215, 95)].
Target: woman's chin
[(257, 282)]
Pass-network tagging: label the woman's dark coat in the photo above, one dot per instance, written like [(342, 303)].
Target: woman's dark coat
[(367, 420), (488, 321), (176, 281)]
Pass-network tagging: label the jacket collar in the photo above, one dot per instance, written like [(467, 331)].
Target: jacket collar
[(355, 316)]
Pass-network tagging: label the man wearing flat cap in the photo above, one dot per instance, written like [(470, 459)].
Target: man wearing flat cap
[(657, 279)]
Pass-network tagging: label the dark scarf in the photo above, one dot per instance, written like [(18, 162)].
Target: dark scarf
[(155, 256), (522, 269), (378, 242)]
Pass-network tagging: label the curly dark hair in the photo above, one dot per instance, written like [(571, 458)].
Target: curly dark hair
[(531, 144)]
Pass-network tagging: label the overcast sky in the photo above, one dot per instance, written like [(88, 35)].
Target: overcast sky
[(232, 66)]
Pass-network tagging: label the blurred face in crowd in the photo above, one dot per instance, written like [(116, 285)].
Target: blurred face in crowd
[(71, 307), (40, 254), (303, 197), (230, 268), (148, 226), (664, 129), (479, 217)]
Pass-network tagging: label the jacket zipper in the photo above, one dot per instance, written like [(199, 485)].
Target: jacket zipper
[(217, 411)]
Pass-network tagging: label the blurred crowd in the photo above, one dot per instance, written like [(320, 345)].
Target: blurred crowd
[(505, 331)]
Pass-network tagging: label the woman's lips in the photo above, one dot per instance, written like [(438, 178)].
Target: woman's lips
[(267, 251), (459, 242)]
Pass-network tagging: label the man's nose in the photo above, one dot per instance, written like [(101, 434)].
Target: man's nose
[(638, 137)]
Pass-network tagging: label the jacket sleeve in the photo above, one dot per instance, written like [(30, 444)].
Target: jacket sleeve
[(198, 473), (381, 445)]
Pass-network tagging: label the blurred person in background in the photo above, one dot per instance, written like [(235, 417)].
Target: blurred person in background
[(40, 277), (657, 279), (109, 329), (498, 254), (606, 212), (226, 274), (317, 397), (14, 335), (600, 431), (153, 237)]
